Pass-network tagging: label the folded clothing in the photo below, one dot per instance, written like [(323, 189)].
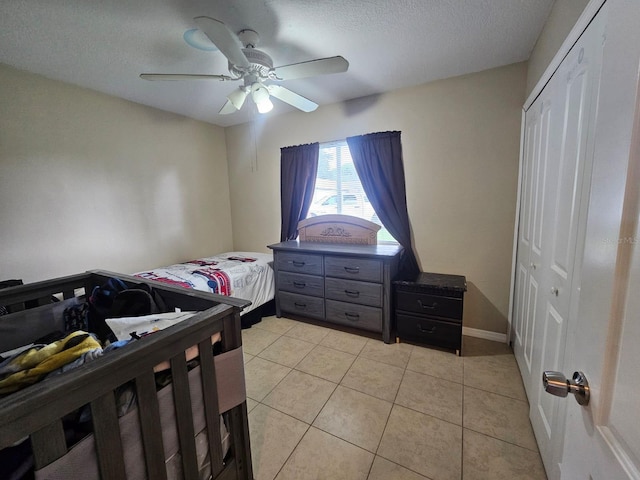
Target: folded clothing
[(28, 367)]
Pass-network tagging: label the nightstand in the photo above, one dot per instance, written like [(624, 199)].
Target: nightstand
[(429, 309)]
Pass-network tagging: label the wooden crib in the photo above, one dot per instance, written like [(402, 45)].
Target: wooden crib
[(138, 444)]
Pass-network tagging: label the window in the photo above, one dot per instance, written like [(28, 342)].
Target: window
[(338, 188)]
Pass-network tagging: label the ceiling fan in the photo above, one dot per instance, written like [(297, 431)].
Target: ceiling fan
[(254, 67)]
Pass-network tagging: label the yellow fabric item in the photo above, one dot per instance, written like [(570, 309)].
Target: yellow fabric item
[(33, 364)]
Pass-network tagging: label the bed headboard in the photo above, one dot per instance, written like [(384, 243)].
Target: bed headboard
[(338, 229)]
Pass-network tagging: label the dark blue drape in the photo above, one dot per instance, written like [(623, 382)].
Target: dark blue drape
[(298, 170), (377, 158)]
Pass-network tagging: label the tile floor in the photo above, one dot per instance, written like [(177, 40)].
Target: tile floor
[(325, 404)]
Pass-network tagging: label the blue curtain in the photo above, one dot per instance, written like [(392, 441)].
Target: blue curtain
[(298, 170), (377, 158)]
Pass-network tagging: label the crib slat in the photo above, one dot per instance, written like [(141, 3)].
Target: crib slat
[(106, 430), (149, 413), (211, 407), (184, 416), (231, 333), (238, 423), (68, 294), (44, 300), (239, 427), (48, 444)]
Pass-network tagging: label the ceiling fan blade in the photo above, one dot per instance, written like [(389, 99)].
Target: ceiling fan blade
[(322, 66), (292, 98), (227, 108), (183, 76), (223, 38)]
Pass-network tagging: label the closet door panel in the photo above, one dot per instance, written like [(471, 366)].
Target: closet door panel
[(531, 320), (520, 297), (532, 241), (524, 233), (569, 172), (574, 90)]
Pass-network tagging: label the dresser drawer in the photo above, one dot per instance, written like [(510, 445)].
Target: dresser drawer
[(429, 305), (428, 330), (299, 262), (353, 315), (354, 292), (302, 304), (364, 269), (301, 283)]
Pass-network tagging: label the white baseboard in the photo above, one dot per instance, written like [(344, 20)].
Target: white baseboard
[(486, 334)]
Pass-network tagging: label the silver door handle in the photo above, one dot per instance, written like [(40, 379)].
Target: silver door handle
[(557, 384), (555, 291)]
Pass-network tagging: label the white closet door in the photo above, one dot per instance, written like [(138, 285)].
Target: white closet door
[(557, 169), (531, 248), (576, 85), (602, 440)]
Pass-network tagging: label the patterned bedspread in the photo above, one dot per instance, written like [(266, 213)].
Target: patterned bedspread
[(245, 275)]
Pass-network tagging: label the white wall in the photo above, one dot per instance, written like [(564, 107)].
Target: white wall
[(562, 18), (460, 141), (91, 181)]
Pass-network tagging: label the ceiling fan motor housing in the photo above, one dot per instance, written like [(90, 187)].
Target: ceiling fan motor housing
[(260, 64)]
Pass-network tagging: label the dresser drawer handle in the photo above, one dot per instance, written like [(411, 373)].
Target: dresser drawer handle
[(352, 269), (352, 293), (428, 307), (352, 316), (296, 263), (300, 305), (427, 330), (299, 284)]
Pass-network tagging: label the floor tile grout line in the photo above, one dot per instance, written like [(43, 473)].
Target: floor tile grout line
[(393, 403), (402, 466), (295, 418), (501, 440), (343, 440), (429, 415), (292, 450), (496, 393)]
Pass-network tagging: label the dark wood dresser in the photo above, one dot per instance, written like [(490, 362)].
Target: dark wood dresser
[(429, 309), (337, 283)]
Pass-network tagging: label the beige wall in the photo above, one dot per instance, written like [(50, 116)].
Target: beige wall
[(460, 141), (562, 18), (92, 181)]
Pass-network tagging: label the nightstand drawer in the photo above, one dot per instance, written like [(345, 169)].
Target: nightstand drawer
[(357, 316), (302, 304), (427, 330), (363, 269), (354, 292), (301, 283), (431, 305), (299, 262)]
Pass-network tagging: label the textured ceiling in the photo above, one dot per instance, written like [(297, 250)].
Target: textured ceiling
[(105, 44)]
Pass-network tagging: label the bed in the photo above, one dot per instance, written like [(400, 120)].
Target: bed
[(167, 433), (246, 275)]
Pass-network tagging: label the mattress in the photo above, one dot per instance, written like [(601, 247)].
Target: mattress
[(246, 275)]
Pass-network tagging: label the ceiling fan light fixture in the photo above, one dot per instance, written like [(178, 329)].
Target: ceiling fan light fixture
[(260, 96), (265, 106), (237, 98)]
